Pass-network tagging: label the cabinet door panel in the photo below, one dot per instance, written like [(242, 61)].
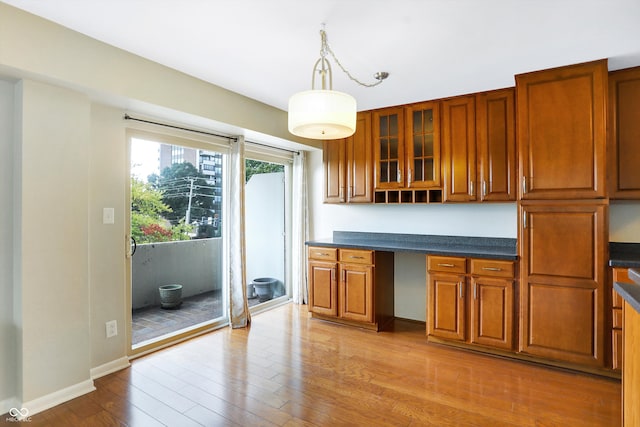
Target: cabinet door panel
[(495, 113), (562, 132), (563, 272), (492, 312), (323, 289), (561, 323), (356, 293), (624, 110), (360, 162), (333, 159), (446, 306), (388, 142), (423, 145), (459, 148), (562, 244)]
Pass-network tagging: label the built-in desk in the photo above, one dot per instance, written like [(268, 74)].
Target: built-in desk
[(358, 288), (471, 247)]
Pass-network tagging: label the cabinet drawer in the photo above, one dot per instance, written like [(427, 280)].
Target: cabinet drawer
[(356, 256), (617, 318), (325, 254), (621, 275), (488, 267), (616, 299), (447, 264)]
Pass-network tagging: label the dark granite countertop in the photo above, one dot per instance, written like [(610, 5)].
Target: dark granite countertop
[(474, 247), (630, 291), (625, 255)]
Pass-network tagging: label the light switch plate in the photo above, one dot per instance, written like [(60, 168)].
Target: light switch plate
[(108, 216)]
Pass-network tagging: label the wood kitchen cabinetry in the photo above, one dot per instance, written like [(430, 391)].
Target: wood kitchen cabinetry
[(617, 315), (561, 131), (496, 145), (388, 142), (563, 269), (459, 149), (624, 134), (353, 286), (422, 146), (348, 168), (471, 301)]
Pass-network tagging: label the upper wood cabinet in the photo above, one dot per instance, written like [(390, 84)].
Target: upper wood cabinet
[(496, 143), (422, 145), (348, 168), (561, 131), (334, 163), (388, 147), (563, 275), (459, 149), (624, 133)]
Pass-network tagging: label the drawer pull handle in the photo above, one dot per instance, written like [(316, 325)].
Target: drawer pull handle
[(356, 257), (492, 268), (446, 265), (322, 254)]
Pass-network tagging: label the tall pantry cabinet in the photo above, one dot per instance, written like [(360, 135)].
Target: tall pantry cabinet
[(563, 228)]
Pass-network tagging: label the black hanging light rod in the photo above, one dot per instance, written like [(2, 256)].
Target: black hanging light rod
[(128, 117)]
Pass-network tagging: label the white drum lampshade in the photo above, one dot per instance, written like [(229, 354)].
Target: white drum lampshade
[(322, 114)]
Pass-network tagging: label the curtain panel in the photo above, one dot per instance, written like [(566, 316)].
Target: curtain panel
[(239, 316)]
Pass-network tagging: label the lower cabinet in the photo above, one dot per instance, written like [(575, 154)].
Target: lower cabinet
[(471, 301), (352, 286), (617, 314), (562, 284)]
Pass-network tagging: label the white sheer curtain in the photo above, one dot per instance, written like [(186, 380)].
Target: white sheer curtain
[(239, 315), (300, 229)]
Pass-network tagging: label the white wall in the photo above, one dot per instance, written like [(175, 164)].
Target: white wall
[(7, 325), (624, 222), (51, 264), (264, 226)]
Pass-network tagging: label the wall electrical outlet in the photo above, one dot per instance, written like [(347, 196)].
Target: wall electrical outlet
[(112, 328)]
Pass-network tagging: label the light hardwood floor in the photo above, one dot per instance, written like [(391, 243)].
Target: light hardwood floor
[(288, 369)]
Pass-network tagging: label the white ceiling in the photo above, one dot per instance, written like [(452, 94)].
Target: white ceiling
[(265, 49)]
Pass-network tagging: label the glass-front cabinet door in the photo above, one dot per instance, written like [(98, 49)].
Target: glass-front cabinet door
[(423, 145), (388, 141)]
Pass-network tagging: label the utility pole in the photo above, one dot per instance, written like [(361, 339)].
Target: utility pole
[(187, 220)]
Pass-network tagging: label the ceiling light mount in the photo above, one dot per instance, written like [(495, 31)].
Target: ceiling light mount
[(326, 113)]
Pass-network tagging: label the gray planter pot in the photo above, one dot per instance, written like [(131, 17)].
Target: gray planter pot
[(170, 296), (264, 288)]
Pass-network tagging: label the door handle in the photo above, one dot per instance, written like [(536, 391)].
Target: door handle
[(134, 245)]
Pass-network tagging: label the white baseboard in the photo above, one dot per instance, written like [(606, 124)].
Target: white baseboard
[(49, 401), (7, 404), (109, 367)]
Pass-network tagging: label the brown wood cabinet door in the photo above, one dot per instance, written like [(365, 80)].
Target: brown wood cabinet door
[(356, 292), (561, 131), (496, 142), (388, 145), (323, 288), (631, 367), (446, 306), (563, 271), (624, 132), (333, 160), (459, 149), (422, 145), (360, 162), (492, 312)]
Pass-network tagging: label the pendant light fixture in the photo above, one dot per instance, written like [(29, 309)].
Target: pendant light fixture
[(325, 113)]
